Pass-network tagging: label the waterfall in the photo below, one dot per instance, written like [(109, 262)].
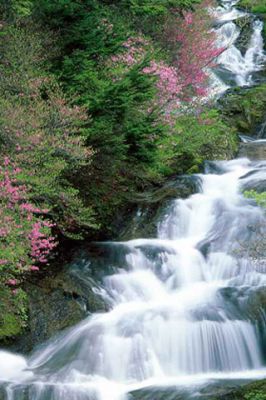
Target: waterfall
[(179, 311), (170, 319), (235, 68)]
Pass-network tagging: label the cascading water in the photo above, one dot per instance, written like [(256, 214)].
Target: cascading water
[(179, 305), (171, 321), (235, 68)]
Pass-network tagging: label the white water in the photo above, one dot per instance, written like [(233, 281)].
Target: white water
[(169, 322), (239, 67), (177, 318)]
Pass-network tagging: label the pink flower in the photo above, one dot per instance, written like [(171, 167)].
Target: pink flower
[(6, 161), (34, 268), (11, 282), (188, 18)]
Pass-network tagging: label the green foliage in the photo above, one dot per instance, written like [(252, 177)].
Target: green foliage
[(86, 25), (245, 109), (48, 144), (15, 9), (113, 109), (154, 8), (260, 198), (151, 8), (132, 147), (13, 312), (195, 139), (87, 133), (256, 395), (256, 7)]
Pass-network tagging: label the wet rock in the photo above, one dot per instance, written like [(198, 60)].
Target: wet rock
[(253, 151), (160, 394), (257, 7), (218, 390), (245, 25), (56, 303), (255, 304), (213, 390), (150, 205), (251, 391)]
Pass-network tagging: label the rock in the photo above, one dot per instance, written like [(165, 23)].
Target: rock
[(255, 305), (56, 303), (257, 7), (245, 25), (244, 109), (252, 391), (253, 151), (149, 207), (212, 390)]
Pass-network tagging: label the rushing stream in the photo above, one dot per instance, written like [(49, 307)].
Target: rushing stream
[(180, 305), (236, 68)]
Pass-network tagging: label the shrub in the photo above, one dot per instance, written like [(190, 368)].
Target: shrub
[(49, 142)]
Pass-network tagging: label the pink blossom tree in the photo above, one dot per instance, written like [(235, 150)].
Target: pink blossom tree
[(26, 234), (193, 49)]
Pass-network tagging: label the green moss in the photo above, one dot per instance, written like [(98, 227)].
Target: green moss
[(252, 391), (13, 312), (256, 395), (9, 325), (260, 198), (256, 7), (244, 109)]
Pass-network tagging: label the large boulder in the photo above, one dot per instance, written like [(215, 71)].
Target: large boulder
[(56, 302), (244, 109)]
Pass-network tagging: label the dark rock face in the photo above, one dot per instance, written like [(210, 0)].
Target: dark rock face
[(149, 206), (56, 303)]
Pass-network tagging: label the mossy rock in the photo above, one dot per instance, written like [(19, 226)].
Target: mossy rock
[(55, 303), (245, 25), (13, 305), (245, 109), (257, 7), (253, 391)]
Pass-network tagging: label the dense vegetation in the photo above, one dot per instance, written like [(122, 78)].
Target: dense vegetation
[(99, 101), (256, 7)]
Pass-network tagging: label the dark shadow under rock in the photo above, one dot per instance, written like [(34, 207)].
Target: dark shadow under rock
[(56, 303)]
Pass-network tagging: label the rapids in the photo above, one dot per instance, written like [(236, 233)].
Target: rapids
[(235, 68)]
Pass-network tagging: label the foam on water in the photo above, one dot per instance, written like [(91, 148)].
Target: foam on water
[(169, 321), (240, 67)]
